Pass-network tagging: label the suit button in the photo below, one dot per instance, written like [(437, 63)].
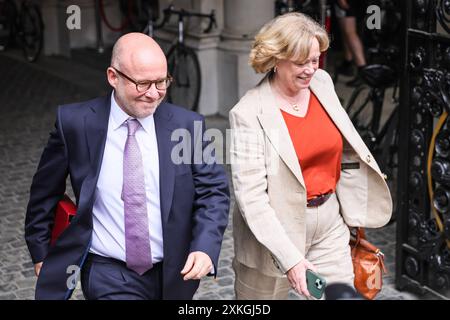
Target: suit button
[(368, 158), (275, 263)]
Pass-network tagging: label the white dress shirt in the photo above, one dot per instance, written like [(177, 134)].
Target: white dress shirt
[(108, 237)]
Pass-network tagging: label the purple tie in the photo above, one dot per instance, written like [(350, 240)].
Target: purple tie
[(137, 238)]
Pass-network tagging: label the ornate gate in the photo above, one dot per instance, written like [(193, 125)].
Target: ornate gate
[(423, 229)]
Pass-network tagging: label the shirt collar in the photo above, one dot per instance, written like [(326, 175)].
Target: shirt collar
[(119, 116)]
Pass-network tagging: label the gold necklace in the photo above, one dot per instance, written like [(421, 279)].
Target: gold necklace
[(293, 106)]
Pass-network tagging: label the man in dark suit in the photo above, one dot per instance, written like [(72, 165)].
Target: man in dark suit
[(147, 226)]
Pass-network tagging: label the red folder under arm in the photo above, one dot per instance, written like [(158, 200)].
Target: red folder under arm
[(65, 211)]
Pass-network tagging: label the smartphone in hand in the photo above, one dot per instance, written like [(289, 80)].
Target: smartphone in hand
[(315, 283)]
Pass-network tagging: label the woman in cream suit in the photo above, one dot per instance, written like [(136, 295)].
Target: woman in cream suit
[(301, 173)]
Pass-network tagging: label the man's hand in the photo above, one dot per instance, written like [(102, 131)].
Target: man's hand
[(37, 268), (198, 265), (297, 276)]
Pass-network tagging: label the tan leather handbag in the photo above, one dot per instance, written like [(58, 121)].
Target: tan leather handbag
[(368, 265)]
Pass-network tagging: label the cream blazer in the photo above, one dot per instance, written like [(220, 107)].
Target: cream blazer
[(269, 216)]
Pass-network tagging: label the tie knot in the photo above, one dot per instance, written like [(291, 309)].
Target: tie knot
[(133, 125)]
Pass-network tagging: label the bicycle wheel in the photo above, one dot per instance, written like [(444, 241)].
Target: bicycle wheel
[(360, 110), (31, 32), (185, 70)]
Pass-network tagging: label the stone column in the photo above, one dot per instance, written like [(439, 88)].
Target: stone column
[(58, 39), (56, 34), (242, 20), (87, 35)]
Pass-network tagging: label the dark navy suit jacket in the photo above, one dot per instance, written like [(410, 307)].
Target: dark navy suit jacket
[(194, 197)]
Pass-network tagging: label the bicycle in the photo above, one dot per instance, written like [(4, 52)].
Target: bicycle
[(382, 140), (183, 64), (22, 26)]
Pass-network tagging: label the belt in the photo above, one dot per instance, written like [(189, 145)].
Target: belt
[(101, 259), (319, 200)]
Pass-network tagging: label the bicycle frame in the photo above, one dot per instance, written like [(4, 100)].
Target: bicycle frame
[(183, 14), (183, 61)]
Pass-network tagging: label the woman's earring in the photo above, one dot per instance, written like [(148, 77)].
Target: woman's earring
[(275, 69)]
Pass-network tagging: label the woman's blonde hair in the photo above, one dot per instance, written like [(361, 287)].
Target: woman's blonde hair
[(286, 37)]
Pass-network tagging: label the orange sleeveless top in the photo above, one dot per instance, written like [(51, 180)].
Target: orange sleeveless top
[(318, 145)]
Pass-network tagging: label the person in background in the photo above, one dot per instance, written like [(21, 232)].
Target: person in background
[(346, 14)]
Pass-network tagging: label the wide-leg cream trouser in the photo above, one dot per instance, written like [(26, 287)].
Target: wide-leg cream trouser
[(327, 247)]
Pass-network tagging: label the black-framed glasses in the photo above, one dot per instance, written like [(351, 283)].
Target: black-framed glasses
[(142, 86)]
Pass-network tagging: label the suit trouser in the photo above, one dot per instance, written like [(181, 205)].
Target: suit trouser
[(105, 278), (327, 248)]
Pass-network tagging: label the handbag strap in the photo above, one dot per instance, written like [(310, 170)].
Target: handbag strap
[(363, 242), (361, 233)]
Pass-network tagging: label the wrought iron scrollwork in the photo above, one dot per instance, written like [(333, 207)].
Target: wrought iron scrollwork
[(424, 236), (443, 14)]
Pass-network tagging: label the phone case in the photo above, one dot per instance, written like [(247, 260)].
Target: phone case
[(316, 284)]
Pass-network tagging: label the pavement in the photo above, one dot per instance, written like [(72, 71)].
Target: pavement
[(29, 96)]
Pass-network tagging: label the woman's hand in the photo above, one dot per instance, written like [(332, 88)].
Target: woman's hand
[(297, 276)]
